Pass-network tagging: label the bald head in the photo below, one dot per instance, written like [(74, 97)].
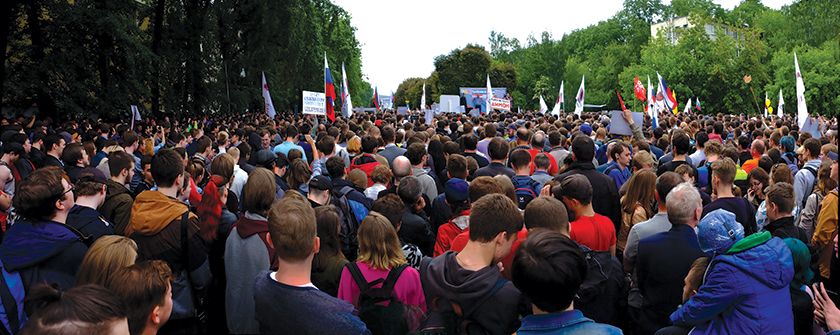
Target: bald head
[(757, 147), (401, 167)]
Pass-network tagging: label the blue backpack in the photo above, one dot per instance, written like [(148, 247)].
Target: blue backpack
[(359, 209), (526, 190), (11, 293)]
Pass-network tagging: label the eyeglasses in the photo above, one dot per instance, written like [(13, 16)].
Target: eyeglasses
[(756, 184), (71, 189)]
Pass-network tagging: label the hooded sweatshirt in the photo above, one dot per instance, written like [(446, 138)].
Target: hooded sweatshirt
[(745, 291), (445, 278), (117, 205), (246, 254), (89, 222)]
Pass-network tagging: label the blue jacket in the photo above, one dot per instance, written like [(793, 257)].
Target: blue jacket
[(89, 222), (745, 291), (569, 323)]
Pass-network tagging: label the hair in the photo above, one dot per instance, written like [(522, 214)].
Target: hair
[(335, 167), (642, 159), (548, 213), (507, 187), (724, 169), (167, 166), (824, 182), (697, 272), (456, 165), (665, 183), (387, 134), (119, 161), (293, 155), (259, 191), (415, 153), (684, 169), (105, 257), (780, 173), (713, 147), (680, 142), (520, 158), (378, 243), (72, 153), (617, 148), (498, 148), (548, 268), (409, 190), (86, 187), (328, 225), (223, 167), (55, 139), (381, 174), (484, 185), (811, 145), (469, 141), (583, 148), (682, 202), (358, 178), (38, 192), (701, 137), (326, 144), (782, 195), (293, 229), (142, 286), (298, 174), (765, 162), (489, 130), (760, 175), (802, 273), (83, 310), (369, 144), (244, 150), (492, 215), (391, 207), (731, 153), (640, 189)]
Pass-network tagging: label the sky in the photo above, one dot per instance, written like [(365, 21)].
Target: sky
[(401, 38)]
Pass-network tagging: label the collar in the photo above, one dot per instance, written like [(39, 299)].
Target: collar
[(542, 322)]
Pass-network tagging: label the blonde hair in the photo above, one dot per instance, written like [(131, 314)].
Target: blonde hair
[(507, 187), (378, 243), (105, 257)]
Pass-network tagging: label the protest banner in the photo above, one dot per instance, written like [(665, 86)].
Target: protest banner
[(619, 126), (450, 103), (501, 104), (314, 103)]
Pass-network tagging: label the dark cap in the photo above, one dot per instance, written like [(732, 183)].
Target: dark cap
[(320, 182), (456, 190), (238, 132), (39, 124), (512, 126), (575, 187), (93, 174), (265, 158), (14, 147), (7, 136)]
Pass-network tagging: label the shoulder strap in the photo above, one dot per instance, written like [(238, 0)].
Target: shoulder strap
[(499, 283), (10, 305), (811, 170), (345, 190), (609, 169), (360, 280), (392, 278), (87, 240)]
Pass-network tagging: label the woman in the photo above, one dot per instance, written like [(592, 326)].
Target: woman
[(435, 150), (106, 256), (808, 219), (379, 253), (778, 174), (757, 180), (381, 176), (636, 204), (298, 176), (329, 261)]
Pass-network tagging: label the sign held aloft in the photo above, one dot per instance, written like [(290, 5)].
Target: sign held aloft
[(314, 103), (501, 104)]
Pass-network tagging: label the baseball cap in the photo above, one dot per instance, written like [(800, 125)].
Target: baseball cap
[(456, 190), (265, 158), (586, 129), (320, 182), (832, 155), (512, 126), (14, 147), (95, 175), (238, 132), (7, 136), (575, 186)]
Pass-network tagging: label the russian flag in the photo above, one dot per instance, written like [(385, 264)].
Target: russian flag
[(376, 97), (329, 89), (670, 100)]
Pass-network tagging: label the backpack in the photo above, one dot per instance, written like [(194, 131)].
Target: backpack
[(349, 226), (12, 293), (526, 190), (206, 175), (380, 319), (816, 180), (603, 294), (790, 160), (359, 209)]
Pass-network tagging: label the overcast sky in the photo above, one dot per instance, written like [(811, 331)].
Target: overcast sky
[(401, 38)]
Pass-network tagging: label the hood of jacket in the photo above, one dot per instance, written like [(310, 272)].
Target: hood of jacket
[(765, 258), (153, 211), (250, 224), (29, 243), (114, 189), (448, 279)]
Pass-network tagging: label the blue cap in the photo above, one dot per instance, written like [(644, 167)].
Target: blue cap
[(719, 231), (586, 129), (456, 190)]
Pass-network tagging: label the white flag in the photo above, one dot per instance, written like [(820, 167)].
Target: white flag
[(543, 106), (489, 95), (780, 111), (766, 104), (579, 97), (423, 97), (651, 101), (687, 108), (802, 110), (347, 109), (135, 115), (560, 100), (269, 107)]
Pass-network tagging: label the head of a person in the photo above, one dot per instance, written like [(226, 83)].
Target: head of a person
[(489, 130), (293, 230), (416, 153), (495, 219), (780, 200), (713, 148), (694, 279), (73, 154), (825, 181), (575, 191), (548, 268), (146, 288), (680, 142), (621, 153), (83, 310), (379, 245), (547, 213), (456, 166), (457, 196), (757, 148), (520, 159), (718, 231), (328, 230), (757, 180), (583, 148), (482, 186), (787, 144), (44, 194), (664, 184), (391, 207), (812, 148), (643, 160), (802, 273), (91, 183), (498, 149), (326, 145), (723, 172), (121, 165), (298, 174), (411, 193), (684, 205), (106, 256), (167, 168), (401, 167), (507, 187), (258, 192), (54, 144), (780, 173), (223, 166), (203, 145), (381, 175), (641, 190), (319, 189)]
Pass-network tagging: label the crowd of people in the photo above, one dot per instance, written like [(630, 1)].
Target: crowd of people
[(393, 224)]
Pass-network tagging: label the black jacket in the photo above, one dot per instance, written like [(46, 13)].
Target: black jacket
[(785, 227), (415, 230)]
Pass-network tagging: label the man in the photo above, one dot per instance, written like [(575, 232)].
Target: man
[(240, 177), (549, 268), (415, 225), (680, 144), (401, 167), (756, 151), (700, 138), (204, 149), (103, 154), (24, 165), (723, 177), (39, 245), (320, 189), (391, 150), (526, 189), (806, 178), (145, 287), (341, 186), (456, 196), (289, 291), (489, 134), (537, 147), (558, 147), (90, 191), (787, 145), (826, 230), (368, 160), (456, 167), (132, 143), (744, 148), (522, 138), (118, 199), (416, 153), (604, 189), (54, 145), (244, 156), (780, 202), (157, 222), (664, 259), (470, 142), (713, 151), (146, 182), (11, 152), (291, 138), (619, 168), (76, 158), (325, 147), (542, 163), (498, 150), (589, 228), (471, 277)]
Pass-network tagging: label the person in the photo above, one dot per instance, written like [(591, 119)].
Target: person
[(76, 159), (329, 261), (367, 159), (665, 258), (526, 189), (456, 193), (401, 167), (146, 289), (801, 301), (713, 151), (341, 186), (290, 134), (468, 278), (381, 176), (779, 205), (106, 256), (470, 142), (636, 205), (541, 166), (90, 190), (806, 178), (391, 150), (54, 146), (88, 309), (549, 269), (40, 246), (325, 147), (808, 216), (746, 281), (289, 292), (758, 179), (756, 151), (146, 182), (700, 140), (680, 144), (619, 168), (380, 255), (538, 146), (498, 150), (723, 176), (825, 232), (583, 151), (489, 135), (247, 252), (118, 198), (157, 225), (416, 154), (415, 225), (132, 143), (589, 228)]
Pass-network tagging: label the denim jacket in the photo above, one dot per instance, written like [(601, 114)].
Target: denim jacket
[(571, 323)]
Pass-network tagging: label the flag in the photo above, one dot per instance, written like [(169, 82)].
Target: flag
[(393, 100), (330, 89), (621, 101), (376, 97), (687, 106), (654, 115), (423, 97), (560, 101), (135, 115), (669, 96), (543, 106), (780, 110), (269, 107), (579, 97), (802, 110), (347, 103), (766, 104), (639, 88), (489, 95), (698, 105)]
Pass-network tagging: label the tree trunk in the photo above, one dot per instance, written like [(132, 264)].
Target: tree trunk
[(46, 104), (156, 42)]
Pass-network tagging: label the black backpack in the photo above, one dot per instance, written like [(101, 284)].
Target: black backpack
[(380, 319), (603, 295)]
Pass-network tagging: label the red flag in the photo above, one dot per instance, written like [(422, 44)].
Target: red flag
[(641, 94), (329, 89), (622, 101)]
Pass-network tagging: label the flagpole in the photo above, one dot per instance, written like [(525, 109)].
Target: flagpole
[(756, 101)]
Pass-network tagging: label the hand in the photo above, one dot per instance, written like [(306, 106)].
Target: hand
[(750, 195), (309, 139), (824, 309), (546, 191), (628, 116)]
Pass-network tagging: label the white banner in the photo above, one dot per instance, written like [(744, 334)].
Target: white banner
[(314, 103), (385, 102), (502, 104)]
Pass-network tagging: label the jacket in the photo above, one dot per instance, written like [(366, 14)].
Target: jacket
[(448, 231), (569, 323), (391, 152), (745, 291), (246, 254), (89, 222), (117, 205), (785, 227), (803, 182), (415, 230), (604, 190), (427, 182), (366, 163), (826, 230)]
